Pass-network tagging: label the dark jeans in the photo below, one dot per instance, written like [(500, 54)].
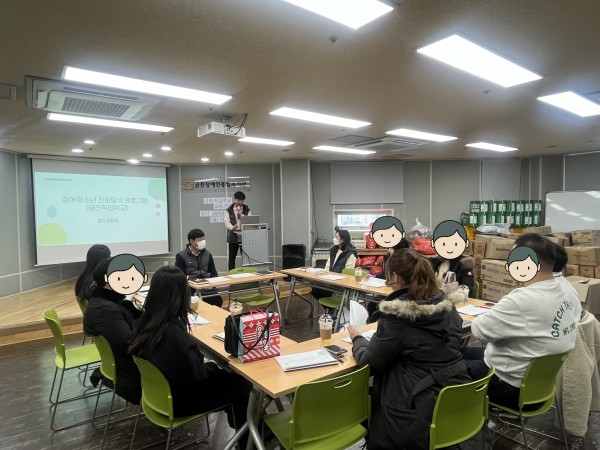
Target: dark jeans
[(233, 251), (499, 391), (211, 297), (318, 293)]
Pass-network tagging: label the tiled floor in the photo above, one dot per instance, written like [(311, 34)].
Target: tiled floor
[(27, 371)]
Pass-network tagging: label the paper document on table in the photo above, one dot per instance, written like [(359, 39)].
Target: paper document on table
[(367, 335), (332, 277), (197, 320), (220, 336), (144, 289), (358, 315), (242, 275), (306, 360), (374, 282), (472, 310), (313, 270), (217, 279)]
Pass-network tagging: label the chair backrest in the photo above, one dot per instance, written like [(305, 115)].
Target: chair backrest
[(328, 407), (539, 382), (107, 359), (53, 323), (243, 286), (460, 412), (476, 289), (156, 392), (82, 302), (347, 271)]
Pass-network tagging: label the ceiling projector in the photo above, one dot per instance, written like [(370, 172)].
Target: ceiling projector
[(218, 129)]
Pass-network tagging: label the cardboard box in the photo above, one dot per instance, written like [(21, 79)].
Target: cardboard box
[(572, 269), (588, 290), (554, 239), (539, 230), (573, 255), (586, 271), (469, 250), (479, 249), (597, 272), (498, 248), (566, 238), (494, 291), (582, 236), (495, 270), (512, 236), (588, 256)]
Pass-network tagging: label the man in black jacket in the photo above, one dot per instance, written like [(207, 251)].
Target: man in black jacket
[(197, 262), (110, 315)]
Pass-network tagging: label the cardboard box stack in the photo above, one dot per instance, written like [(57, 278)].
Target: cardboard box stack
[(584, 255), (490, 255)]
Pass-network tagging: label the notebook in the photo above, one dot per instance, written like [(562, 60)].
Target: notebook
[(220, 336), (367, 335), (306, 360)]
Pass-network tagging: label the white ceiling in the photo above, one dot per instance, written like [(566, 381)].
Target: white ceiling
[(268, 54)]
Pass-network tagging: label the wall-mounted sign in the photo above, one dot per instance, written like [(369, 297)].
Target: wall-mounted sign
[(216, 183)]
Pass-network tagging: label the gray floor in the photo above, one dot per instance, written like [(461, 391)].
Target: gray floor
[(27, 371)]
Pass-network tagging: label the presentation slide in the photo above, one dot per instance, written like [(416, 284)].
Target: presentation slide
[(78, 204)]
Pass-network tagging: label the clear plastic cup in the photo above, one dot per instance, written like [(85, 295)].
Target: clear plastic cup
[(236, 308), (325, 329)]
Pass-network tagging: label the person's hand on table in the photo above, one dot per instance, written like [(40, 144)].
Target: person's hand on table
[(353, 332)]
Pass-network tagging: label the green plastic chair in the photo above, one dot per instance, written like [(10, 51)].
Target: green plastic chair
[(66, 359), (538, 387), (476, 289), (326, 415), (250, 299), (157, 401), (82, 302), (108, 369), (334, 301), (460, 412)]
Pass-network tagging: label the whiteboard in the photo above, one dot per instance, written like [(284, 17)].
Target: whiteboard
[(366, 182), (573, 210)]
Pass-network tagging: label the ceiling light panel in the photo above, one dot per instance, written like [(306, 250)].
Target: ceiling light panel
[(570, 101), (352, 13), (147, 87), (256, 140), (318, 118), (351, 151), (493, 147), (421, 135), (108, 123), (465, 55)]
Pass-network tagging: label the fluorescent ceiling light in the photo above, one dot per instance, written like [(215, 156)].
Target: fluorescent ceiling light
[(108, 123), (166, 148), (352, 151), (465, 55), (147, 87), (204, 159), (256, 140), (319, 118), (421, 135), (133, 161), (89, 142), (352, 13), (493, 147), (570, 101), (147, 155), (228, 153), (77, 150)]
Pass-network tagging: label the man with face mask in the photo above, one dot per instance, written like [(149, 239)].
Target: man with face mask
[(197, 262)]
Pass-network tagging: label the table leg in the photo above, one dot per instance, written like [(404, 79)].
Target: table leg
[(345, 296), (256, 406), (287, 306), (276, 294)]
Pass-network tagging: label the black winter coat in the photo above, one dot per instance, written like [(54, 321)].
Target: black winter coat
[(413, 355), (108, 314), (463, 267)]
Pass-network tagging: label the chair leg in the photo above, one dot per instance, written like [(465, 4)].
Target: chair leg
[(107, 418), (523, 427), (562, 423), (137, 417), (169, 437), (97, 399), (53, 384)]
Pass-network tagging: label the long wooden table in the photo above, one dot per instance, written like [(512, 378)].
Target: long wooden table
[(233, 280)]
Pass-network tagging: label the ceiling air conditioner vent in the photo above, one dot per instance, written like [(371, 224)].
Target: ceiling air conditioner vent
[(68, 98), (389, 144)]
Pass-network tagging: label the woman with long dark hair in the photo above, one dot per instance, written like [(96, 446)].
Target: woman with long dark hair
[(413, 355), (163, 338), (342, 255), (85, 282)]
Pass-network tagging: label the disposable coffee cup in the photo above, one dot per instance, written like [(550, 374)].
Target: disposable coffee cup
[(325, 329), (236, 308), (194, 303)]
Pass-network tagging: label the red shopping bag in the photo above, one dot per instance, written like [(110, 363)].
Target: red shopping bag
[(260, 336)]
